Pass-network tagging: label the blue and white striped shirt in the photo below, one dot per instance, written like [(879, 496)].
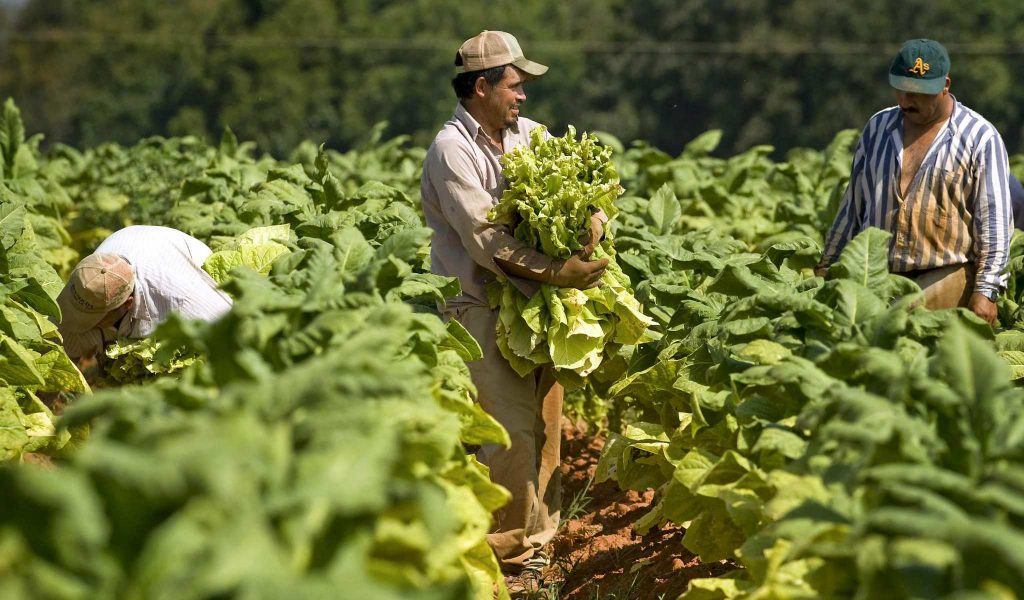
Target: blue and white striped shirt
[(956, 210)]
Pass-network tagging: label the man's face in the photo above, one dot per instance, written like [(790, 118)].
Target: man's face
[(503, 99), (923, 109), (115, 315)]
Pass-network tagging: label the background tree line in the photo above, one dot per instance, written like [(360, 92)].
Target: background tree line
[(782, 72)]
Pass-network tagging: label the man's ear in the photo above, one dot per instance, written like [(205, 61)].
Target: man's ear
[(129, 302), (481, 87)]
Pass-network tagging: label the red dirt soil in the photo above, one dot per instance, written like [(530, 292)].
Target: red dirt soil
[(597, 554)]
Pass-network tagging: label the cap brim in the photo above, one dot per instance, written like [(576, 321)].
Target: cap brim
[(917, 86), (73, 320), (529, 67)]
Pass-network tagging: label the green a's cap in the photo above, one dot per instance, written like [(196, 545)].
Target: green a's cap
[(921, 67)]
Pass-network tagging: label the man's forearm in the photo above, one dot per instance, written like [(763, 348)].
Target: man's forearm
[(991, 248), (988, 279), (841, 232), (993, 225), (534, 269), (574, 272), (847, 221)]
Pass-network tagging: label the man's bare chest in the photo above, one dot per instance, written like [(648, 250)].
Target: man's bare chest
[(915, 151)]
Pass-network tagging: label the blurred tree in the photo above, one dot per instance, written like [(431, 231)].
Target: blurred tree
[(794, 72), (782, 72)]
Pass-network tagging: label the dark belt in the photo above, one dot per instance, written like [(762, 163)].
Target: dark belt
[(919, 272), (915, 273)]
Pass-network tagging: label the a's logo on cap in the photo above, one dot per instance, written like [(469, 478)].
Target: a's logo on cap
[(920, 67)]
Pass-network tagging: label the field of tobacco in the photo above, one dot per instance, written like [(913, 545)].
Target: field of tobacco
[(824, 437)]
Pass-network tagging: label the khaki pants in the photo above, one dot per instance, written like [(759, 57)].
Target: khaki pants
[(946, 287), (530, 408)]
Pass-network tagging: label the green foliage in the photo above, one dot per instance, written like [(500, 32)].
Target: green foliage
[(554, 187), (817, 431), (310, 442), (130, 361), (828, 434), (256, 249), (32, 360), (185, 490), (789, 73), (115, 186)]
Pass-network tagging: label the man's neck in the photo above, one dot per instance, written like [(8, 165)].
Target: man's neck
[(915, 128), (494, 133)]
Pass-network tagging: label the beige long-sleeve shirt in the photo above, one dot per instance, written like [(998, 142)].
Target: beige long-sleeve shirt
[(462, 180)]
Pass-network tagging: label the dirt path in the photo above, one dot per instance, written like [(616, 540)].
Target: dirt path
[(596, 552)]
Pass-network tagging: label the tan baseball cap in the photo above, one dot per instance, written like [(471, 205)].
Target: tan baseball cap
[(494, 49), (98, 284)]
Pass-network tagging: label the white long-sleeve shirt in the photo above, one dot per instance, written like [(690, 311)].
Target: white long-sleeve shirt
[(169, 277)]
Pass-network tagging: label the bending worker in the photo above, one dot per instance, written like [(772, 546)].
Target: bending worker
[(136, 278), (934, 174)]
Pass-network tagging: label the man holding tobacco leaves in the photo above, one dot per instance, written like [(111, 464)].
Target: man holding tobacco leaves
[(462, 180), (934, 174)]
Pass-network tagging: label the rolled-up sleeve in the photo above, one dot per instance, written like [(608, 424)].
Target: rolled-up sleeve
[(847, 223), (992, 225), (465, 205)]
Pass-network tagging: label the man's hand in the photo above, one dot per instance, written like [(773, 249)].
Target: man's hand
[(90, 367), (578, 273), (592, 238), (983, 307)]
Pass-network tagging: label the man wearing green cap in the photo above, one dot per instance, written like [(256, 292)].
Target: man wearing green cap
[(462, 180), (934, 173)]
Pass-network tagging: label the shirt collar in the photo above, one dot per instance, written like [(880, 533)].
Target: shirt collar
[(951, 123), (462, 115), (473, 127), (953, 115)]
